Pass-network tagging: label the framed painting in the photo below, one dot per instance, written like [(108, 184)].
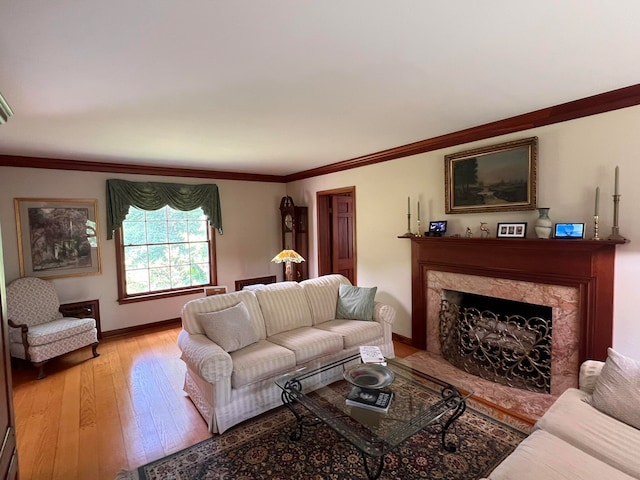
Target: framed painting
[(57, 237), (497, 178), (511, 230)]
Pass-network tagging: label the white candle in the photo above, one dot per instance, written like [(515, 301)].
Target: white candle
[(418, 210), (597, 201), (617, 185), (408, 205)]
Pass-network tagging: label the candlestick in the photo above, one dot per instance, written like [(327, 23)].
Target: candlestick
[(595, 228), (616, 190), (597, 202)]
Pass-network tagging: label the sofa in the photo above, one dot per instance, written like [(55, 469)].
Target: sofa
[(588, 433), (236, 344)]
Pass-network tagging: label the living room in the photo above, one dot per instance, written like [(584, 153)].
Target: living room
[(574, 158)]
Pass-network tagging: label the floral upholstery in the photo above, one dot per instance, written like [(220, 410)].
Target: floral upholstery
[(33, 302)]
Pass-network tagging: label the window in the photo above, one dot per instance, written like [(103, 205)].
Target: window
[(164, 252)]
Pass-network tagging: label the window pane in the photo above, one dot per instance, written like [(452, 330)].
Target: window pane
[(200, 274), (157, 215), (134, 233), (180, 254), (160, 278), (196, 214), (199, 252), (135, 215), (136, 257), (137, 281), (178, 231), (157, 232), (158, 256), (180, 276), (176, 214), (197, 231)]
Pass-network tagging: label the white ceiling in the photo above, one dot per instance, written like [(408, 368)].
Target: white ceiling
[(281, 86)]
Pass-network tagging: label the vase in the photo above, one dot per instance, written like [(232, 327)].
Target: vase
[(543, 223)]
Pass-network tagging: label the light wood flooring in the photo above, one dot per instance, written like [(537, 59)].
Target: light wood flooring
[(92, 417)]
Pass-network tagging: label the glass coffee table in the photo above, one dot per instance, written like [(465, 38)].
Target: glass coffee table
[(418, 401)]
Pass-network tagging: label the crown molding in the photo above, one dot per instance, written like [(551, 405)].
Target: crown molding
[(593, 105)]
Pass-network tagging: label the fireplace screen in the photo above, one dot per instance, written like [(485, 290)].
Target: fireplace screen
[(500, 340)]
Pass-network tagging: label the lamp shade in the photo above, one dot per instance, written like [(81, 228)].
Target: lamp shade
[(288, 256)]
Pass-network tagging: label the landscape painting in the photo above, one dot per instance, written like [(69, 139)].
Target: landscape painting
[(492, 179), (57, 238)]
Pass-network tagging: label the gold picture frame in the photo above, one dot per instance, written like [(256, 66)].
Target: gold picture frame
[(497, 178), (57, 237)]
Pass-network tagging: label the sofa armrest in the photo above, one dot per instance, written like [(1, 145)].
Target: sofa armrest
[(589, 373), (205, 357), (383, 313)]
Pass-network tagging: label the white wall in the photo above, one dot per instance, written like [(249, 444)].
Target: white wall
[(250, 218), (574, 158)]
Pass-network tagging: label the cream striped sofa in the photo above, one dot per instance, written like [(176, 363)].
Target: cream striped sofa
[(296, 327)]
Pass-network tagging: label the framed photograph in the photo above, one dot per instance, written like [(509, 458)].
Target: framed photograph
[(497, 178), (511, 230), (57, 237)]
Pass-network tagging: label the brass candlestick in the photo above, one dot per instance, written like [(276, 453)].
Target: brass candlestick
[(595, 228), (615, 230), (409, 233)]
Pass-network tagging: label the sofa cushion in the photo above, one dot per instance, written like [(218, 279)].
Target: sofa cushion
[(544, 456), (617, 390), (308, 343), (284, 307), (260, 361), (355, 303), (230, 328), (354, 333), (322, 295), (572, 419)]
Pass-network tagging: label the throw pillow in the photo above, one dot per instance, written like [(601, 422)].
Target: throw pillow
[(617, 390), (355, 303), (230, 328)]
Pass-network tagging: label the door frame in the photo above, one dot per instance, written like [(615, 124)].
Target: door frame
[(323, 211)]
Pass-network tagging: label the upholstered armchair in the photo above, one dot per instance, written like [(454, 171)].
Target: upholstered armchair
[(39, 330)]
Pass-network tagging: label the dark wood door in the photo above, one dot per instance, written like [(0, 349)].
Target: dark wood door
[(343, 259), (8, 452)]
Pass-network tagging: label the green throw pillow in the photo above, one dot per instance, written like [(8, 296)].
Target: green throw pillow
[(355, 303)]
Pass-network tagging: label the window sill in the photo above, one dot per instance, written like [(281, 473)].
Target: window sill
[(159, 295)]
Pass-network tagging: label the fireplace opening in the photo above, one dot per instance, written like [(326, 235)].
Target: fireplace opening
[(504, 341)]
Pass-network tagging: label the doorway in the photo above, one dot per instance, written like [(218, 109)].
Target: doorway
[(336, 232)]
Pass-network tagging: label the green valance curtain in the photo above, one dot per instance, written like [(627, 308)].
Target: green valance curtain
[(122, 194)]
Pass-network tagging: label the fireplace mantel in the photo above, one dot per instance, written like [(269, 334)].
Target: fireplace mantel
[(587, 265)]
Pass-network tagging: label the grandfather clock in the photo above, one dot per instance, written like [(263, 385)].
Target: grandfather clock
[(295, 234)]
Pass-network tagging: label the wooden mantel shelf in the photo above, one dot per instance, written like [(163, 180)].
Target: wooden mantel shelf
[(587, 265)]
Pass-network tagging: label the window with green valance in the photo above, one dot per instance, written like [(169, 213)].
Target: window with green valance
[(122, 194)]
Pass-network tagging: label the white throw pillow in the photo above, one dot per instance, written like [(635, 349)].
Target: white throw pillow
[(230, 328), (617, 391)]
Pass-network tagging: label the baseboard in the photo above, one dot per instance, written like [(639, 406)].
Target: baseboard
[(400, 339), (164, 324)]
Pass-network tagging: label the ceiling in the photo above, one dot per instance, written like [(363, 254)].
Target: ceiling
[(281, 86)]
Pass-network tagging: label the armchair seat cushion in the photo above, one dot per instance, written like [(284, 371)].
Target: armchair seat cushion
[(58, 329), (41, 353)]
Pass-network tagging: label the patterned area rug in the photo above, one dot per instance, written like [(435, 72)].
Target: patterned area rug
[(261, 449)]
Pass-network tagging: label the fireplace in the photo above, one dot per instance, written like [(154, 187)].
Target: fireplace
[(572, 278), (505, 341)]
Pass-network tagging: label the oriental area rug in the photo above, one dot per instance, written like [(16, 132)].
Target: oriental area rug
[(260, 449)]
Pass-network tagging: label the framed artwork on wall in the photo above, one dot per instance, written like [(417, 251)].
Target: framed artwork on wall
[(57, 237), (511, 230), (496, 178)]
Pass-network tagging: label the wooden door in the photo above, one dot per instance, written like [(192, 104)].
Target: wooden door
[(8, 453), (336, 232)]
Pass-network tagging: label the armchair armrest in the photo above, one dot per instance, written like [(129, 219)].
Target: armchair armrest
[(589, 373), (85, 309), (24, 330), (205, 357)]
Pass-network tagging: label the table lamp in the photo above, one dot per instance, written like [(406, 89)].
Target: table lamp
[(286, 257)]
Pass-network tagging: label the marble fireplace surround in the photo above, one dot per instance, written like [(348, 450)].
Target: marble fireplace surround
[(575, 278), (562, 300)]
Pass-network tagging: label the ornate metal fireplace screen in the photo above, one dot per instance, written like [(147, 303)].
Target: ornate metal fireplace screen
[(511, 350)]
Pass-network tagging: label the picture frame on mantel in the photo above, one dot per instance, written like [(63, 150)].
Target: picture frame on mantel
[(511, 230), (57, 237), (496, 178)]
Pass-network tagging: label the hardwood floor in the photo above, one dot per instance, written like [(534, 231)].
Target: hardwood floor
[(91, 417)]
